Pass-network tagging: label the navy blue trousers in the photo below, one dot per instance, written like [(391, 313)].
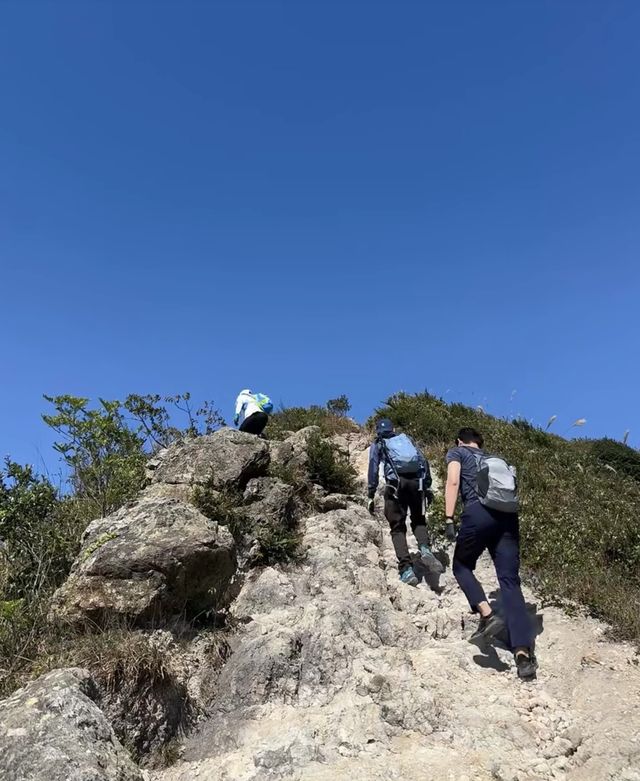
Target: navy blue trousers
[(483, 529)]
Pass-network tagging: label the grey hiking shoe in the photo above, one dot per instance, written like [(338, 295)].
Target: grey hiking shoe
[(431, 564), (408, 576), (488, 628)]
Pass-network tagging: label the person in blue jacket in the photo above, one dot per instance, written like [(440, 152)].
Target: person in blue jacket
[(408, 485)]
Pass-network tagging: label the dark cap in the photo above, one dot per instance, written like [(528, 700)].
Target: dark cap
[(384, 427)]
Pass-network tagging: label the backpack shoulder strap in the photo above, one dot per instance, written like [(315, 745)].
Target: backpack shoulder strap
[(477, 454), (387, 458)]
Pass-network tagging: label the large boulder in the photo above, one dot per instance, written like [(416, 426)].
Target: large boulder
[(52, 729), (224, 459), (149, 561)]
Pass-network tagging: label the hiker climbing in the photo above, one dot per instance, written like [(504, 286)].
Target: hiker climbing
[(408, 488), (489, 521), (254, 409)]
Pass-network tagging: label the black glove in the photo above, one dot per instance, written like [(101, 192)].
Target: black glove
[(371, 506), (450, 530), (428, 495)]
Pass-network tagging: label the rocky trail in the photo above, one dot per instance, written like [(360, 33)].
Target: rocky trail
[(341, 672), (327, 669)]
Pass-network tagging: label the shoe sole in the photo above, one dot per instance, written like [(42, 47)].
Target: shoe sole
[(489, 634), (531, 674), (432, 565)]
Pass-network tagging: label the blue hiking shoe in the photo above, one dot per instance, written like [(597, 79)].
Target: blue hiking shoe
[(432, 565), (408, 576)]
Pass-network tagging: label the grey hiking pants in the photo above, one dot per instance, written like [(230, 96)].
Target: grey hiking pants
[(400, 497)]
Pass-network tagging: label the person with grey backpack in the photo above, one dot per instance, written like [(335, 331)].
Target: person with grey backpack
[(488, 487), (408, 487)]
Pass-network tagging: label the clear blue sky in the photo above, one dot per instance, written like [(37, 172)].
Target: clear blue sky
[(315, 198)]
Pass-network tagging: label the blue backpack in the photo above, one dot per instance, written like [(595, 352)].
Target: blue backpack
[(264, 402), (402, 454)]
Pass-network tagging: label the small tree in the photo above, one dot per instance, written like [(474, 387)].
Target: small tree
[(339, 406), (154, 423), (106, 448), (105, 457)]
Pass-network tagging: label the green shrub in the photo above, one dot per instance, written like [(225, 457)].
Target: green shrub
[(298, 479), (279, 545), (339, 406), (276, 545), (40, 534), (222, 506), (329, 466), (580, 533)]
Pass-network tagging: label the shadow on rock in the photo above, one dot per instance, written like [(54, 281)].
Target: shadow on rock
[(537, 619), (490, 660)]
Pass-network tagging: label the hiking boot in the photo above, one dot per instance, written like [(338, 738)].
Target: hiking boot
[(526, 665), (488, 628), (431, 564), (408, 576)]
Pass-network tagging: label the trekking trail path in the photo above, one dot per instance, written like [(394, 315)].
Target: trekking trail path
[(341, 672)]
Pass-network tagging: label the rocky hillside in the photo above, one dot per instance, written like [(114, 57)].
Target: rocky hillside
[(305, 658)]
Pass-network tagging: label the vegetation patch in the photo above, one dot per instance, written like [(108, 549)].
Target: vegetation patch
[(329, 466), (276, 543), (223, 506), (331, 419)]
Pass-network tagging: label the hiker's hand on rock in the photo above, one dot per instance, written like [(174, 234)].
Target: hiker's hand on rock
[(450, 530), (428, 495), (371, 506)]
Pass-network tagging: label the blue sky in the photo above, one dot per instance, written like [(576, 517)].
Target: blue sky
[(321, 198)]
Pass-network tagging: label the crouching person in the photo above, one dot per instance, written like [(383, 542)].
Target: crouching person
[(254, 410)]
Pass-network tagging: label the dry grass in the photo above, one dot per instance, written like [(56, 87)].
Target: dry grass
[(291, 419)]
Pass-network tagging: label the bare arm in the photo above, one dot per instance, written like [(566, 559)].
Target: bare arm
[(452, 487)]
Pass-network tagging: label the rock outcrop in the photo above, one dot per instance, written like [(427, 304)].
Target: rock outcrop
[(159, 557), (155, 559), (53, 729), (224, 459), (292, 452)]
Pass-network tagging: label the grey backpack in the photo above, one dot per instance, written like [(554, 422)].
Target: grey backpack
[(496, 482), (402, 455)]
